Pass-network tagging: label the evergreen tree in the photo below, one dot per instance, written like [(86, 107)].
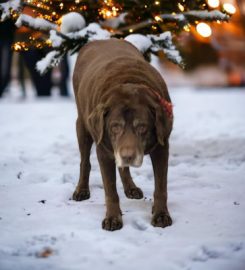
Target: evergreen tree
[(148, 24)]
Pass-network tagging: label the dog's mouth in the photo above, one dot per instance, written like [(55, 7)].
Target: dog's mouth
[(122, 161)]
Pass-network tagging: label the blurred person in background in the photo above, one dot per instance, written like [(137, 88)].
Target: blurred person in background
[(43, 83), (7, 30), (60, 77)]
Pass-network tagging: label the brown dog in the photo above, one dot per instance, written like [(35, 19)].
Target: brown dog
[(124, 107)]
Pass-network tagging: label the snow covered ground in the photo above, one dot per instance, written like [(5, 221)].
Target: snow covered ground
[(41, 228)]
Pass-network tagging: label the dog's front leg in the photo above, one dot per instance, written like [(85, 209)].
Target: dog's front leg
[(85, 143), (159, 157), (130, 189), (113, 219)]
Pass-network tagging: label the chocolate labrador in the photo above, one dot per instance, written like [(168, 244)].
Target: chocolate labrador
[(124, 107)]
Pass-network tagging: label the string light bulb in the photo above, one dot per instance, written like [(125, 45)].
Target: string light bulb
[(181, 7), (158, 18), (229, 8), (213, 3), (204, 30), (187, 28), (19, 46)]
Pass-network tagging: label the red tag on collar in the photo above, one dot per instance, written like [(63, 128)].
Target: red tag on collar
[(168, 106)]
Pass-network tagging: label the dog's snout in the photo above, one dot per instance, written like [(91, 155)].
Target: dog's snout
[(129, 152), (128, 155)]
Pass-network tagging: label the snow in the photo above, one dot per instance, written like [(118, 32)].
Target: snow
[(164, 42), (72, 22), (39, 168), (208, 15), (205, 15), (173, 55), (156, 43), (177, 17), (56, 40), (94, 31), (35, 23), (141, 42), (50, 60)]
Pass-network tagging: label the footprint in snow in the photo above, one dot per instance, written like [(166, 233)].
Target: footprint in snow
[(139, 225)]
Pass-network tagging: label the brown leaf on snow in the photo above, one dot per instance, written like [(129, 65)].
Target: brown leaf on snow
[(45, 253)]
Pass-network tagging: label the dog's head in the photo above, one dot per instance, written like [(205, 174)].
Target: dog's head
[(131, 123)]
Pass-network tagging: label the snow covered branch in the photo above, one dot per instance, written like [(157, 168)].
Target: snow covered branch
[(164, 43), (70, 42), (35, 23), (156, 43), (213, 15), (52, 59), (7, 9), (181, 19), (191, 16)]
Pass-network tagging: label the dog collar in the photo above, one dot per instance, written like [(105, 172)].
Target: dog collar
[(167, 106)]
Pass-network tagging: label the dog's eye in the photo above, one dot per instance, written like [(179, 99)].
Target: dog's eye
[(116, 128), (141, 129)]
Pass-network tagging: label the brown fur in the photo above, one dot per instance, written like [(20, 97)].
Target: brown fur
[(111, 83)]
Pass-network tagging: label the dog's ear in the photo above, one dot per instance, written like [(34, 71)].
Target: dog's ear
[(96, 123), (163, 124)]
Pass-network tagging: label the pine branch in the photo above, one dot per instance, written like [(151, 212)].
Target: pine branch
[(52, 59), (181, 19), (164, 42), (153, 44), (38, 24), (71, 42)]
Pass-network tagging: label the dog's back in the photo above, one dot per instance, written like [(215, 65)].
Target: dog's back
[(104, 64)]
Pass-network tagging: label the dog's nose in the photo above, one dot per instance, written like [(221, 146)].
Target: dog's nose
[(127, 159), (127, 155)]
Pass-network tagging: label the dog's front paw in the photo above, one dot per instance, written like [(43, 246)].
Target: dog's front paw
[(161, 220), (134, 193), (81, 195), (112, 223)]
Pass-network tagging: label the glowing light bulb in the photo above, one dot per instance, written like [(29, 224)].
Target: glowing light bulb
[(204, 30), (158, 18), (213, 3), (108, 13), (181, 7), (229, 8), (187, 28)]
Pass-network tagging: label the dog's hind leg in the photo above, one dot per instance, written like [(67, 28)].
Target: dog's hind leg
[(130, 189), (85, 142)]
